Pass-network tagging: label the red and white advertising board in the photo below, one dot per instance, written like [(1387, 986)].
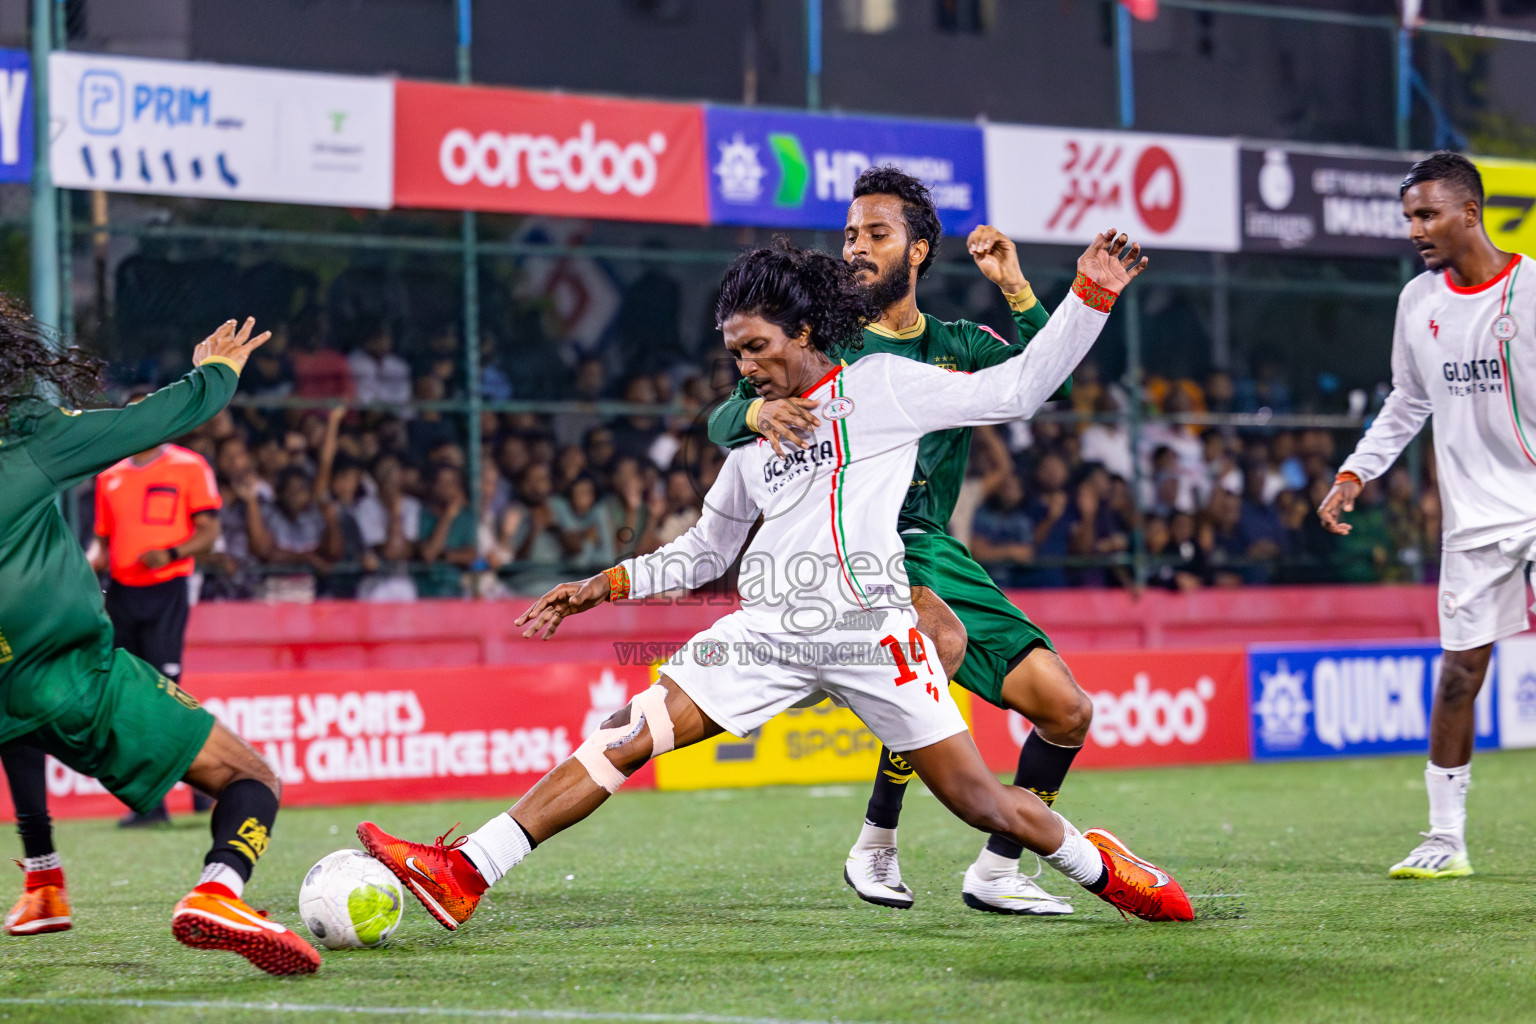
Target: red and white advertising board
[(395, 734), (1149, 708), (1063, 185), (514, 151)]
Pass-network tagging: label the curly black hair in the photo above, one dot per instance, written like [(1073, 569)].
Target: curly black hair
[(793, 288), (917, 207), (35, 373), (1452, 168)]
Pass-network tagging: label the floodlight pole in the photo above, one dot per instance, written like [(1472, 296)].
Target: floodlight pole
[(45, 200), (471, 258)]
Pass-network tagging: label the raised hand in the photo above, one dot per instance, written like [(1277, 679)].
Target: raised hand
[(997, 257), (230, 343), (566, 599), (1112, 261)]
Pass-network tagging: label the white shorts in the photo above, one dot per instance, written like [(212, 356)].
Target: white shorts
[(1482, 597), (741, 678)]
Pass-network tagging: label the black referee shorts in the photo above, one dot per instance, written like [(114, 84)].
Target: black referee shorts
[(151, 622)]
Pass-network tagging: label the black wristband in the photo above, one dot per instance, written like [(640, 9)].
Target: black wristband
[(173, 551)]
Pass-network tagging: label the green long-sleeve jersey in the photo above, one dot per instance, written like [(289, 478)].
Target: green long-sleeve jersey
[(957, 345), (54, 633)]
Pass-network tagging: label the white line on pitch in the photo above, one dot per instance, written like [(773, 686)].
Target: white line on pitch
[(1214, 895), (413, 1011)]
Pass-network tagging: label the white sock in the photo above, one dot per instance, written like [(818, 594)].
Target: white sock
[(225, 876), (1448, 799), (496, 847), (873, 837), (992, 866), (45, 863), (1077, 858)]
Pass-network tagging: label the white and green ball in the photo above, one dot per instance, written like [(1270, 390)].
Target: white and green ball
[(350, 901)]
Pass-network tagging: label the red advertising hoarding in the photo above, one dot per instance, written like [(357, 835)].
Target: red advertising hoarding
[(395, 734), (1157, 707), (513, 151)]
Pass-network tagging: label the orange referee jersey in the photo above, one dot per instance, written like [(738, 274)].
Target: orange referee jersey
[(149, 507)]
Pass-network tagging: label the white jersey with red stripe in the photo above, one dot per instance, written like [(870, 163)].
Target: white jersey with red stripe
[(828, 547), (1467, 356)]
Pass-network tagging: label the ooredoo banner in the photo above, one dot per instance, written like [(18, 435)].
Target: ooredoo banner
[(773, 168), (515, 151), (1151, 707), (1064, 185), (396, 735), (1315, 204), (181, 128), (1344, 701)]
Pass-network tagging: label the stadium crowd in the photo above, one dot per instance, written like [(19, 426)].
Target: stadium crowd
[(369, 499)]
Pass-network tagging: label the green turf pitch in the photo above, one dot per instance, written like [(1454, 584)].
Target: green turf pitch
[(730, 904)]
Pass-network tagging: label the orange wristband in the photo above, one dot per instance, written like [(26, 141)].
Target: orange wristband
[(618, 583), (1348, 475), (1094, 295)]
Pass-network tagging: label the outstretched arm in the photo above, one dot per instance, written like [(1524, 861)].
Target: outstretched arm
[(1016, 387), (77, 445), (692, 560)]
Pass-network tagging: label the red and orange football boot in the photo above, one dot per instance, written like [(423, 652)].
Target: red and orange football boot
[(43, 907), (441, 877), (1138, 886), (213, 917)]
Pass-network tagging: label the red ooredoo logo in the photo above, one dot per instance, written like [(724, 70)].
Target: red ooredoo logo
[(1158, 192)]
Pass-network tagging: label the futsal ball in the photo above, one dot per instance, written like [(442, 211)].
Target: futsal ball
[(350, 901)]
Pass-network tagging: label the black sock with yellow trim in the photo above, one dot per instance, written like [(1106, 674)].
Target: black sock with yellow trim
[(890, 789), (242, 825), (1043, 767)]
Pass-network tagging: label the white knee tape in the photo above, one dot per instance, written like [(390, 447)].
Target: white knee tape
[(647, 708)]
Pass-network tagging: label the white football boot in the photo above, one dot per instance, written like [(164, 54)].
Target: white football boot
[(876, 877), (1438, 856), (1011, 893)]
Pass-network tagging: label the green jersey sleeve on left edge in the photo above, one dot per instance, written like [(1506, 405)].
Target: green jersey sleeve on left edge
[(728, 423), (72, 446)]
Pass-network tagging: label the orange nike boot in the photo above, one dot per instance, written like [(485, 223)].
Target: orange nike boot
[(1138, 886), (213, 917), (441, 877), (43, 907)]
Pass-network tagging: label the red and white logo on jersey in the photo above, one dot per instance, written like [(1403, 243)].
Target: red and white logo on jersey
[(1434, 328), (1504, 327), (838, 408)]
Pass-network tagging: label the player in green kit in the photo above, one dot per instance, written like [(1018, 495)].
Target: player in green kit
[(64, 689), (891, 238)]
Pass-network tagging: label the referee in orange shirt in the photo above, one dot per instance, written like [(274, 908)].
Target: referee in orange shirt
[(155, 512)]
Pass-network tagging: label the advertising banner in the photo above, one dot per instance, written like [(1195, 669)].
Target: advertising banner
[(1517, 691), (1151, 707), (1317, 205), (16, 132), (1509, 194), (514, 151), (1063, 185), (779, 169), (181, 128), (396, 734), (1344, 701)]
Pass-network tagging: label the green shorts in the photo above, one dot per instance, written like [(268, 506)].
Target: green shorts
[(998, 634), (132, 729)]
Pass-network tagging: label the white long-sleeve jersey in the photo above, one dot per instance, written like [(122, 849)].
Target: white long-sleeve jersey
[(828, 548), (1467, 356)]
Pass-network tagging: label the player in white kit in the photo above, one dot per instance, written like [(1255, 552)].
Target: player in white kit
[(1463, 352), (825, 608)]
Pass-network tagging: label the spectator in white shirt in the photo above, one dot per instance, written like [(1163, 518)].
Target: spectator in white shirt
[(377, 373)]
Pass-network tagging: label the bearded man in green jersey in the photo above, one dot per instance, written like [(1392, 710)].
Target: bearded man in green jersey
[(63, 688), (891, 239)]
